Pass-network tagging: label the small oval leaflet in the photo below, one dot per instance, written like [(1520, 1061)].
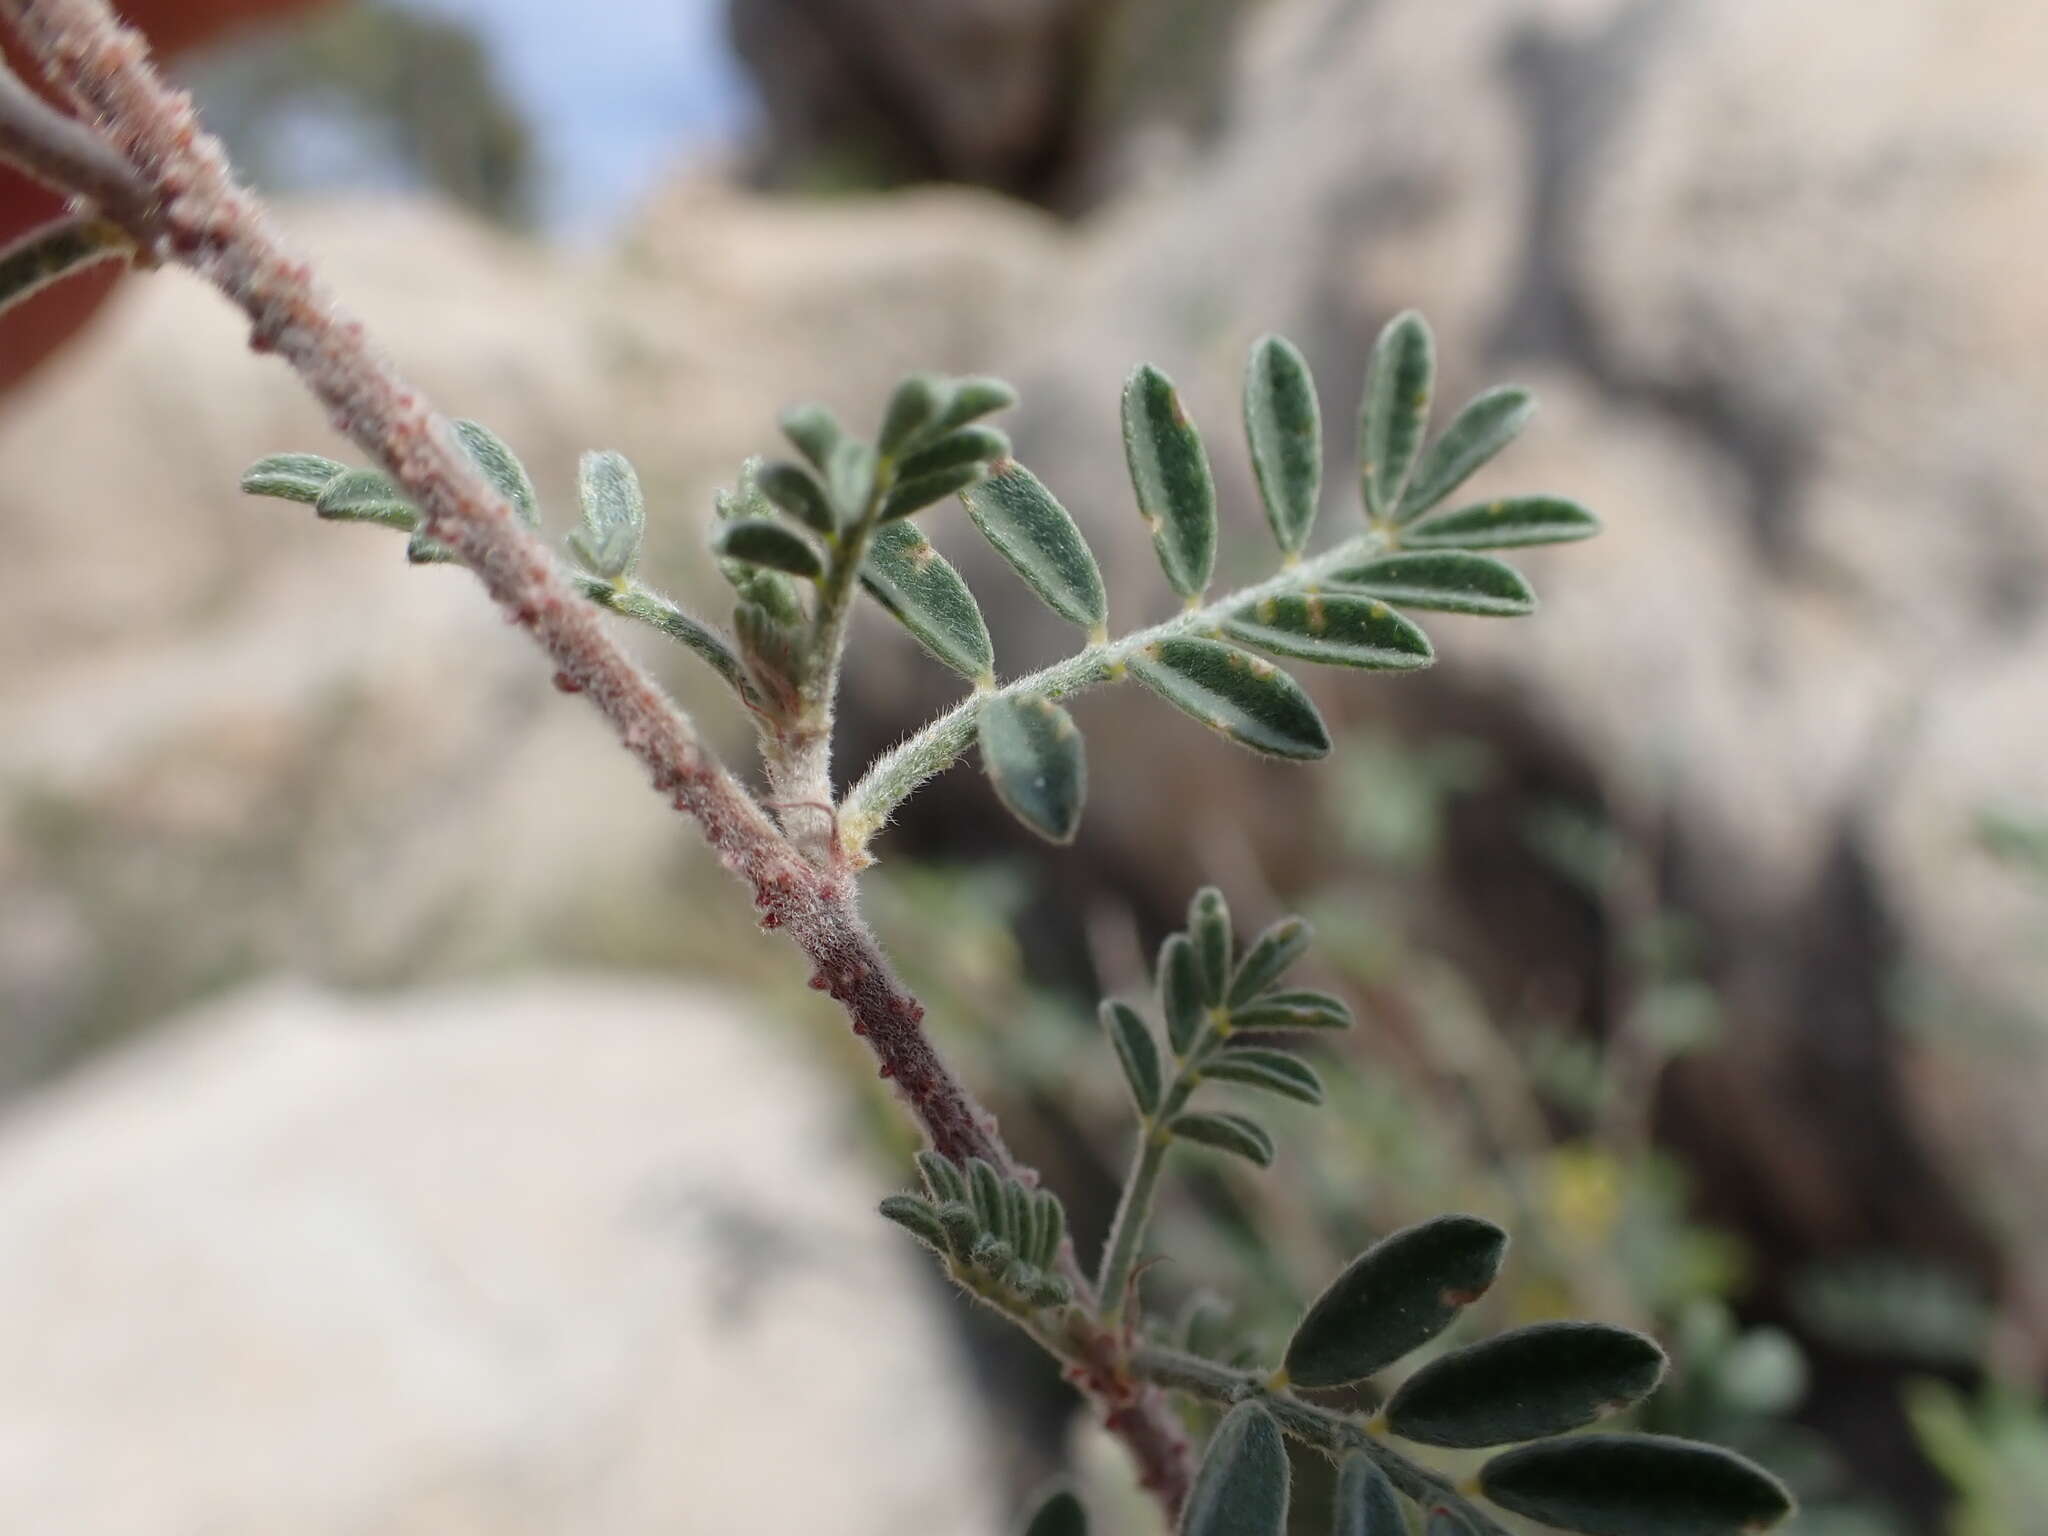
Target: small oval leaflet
[(1241, 1488), (1285, 430), (914, 495), (365, 496), (1635, 1485), (1170, 474), (970, 398), (1031, 530), (969, 445), (1398, 384), (1339, 629), (1180, 992), (1209, 929), (1487, 424), (991, 1205), (796, 491), (756, 541), (918, 1218), (1060, 1515), (915, 402), (1275, 1071), (1136, 1052), (1272, 952), (1503, 524), (1031, 751), (1450, 580), (850, 477), (1235, 693), (916, 584), (815, 433), (942, 1176), (1292, 1010), (1366, 1502), (1525, 1384), (1235, 1134), (1393, 1298), (501, 467), (292, 476), (614, 516)]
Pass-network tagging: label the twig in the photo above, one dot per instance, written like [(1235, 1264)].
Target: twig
[(190, 207), (68, 157)]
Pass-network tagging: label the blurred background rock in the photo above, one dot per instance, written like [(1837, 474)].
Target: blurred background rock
[(1700, 922)]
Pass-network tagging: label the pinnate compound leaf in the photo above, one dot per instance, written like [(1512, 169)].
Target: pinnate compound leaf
[(1272, 952), (291, 476), (1060, 1515), (1136, 1052), (756, 541), (1275, 1071), (1366, 1502), (1031, 751), (1635, 1485), (1393, 1298), (365, 496), (1292, 1010), (914, 495), (1180, 992), (1525, 1384), (1241, 1487), (1487, 424), (917, 584), (1170, 474), (1235, 1134), (501, 467), (614, 516), (918, 1218), (1209, 931), (1285, 430), (1031, 530), (1502, 524), (1450, 580), (1235, 693), (1399, 382), (1338, 629), (796, 491)]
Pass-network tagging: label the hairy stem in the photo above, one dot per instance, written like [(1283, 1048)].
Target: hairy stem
[(191, 208), (68, 157), (1133, 1215), (894, 776), (1332, 1433)]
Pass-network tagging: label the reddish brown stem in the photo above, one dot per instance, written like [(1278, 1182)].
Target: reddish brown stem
[(192, 210)]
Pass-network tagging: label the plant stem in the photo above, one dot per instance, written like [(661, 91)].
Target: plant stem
[(1329, 1432), (894, 776), (1133, 1215)]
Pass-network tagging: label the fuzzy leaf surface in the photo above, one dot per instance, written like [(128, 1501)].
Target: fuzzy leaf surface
[(917, 584), (1635, 1485), (1451, 581), (1268, 959), (1399, 382), (1284, 426), (1299, 1009), (1170, 474), (614, 515), (1136, 1052), (1366, 1502), (1030, 529), (292, 476), (1180, 991), (796, 491), (1487, 424), (1275, 1071), (1338, 629), (1031, 751), (1241, 1488), (1503, 524), (1234, 693), (1525, 1384), (757, 541), (1209, 931), (1235, 1134)]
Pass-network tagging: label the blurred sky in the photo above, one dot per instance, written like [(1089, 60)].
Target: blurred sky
[(615, 91)]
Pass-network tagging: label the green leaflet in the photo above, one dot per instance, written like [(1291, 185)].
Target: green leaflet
[(942, 1176), (796, 491), (969, 445), (1060, 1515), (1292, 1010), (916, 584), (1241, 1489), (1031, 751), (1450, 580), (1272, 952), (292, 476), (1502, 524), (911, 408), (815, 432), (1524, 1384), (1031, 530), (1285, 430), (918, 1218), (756, 541), (1339, 629), (1235, 1134), (1236, 693), (1366, 1502), (1180, 992), (1635, 1485), (991, 1204), (1274, 1071), (914, 495), (1170, 474), (365, 496), (54, 251), (1052, 1226), (1209, 931), (970, 398), (501, 467), (614, 516), (1398, 384), (1485, 426), (850, 477), (1136, 1052), (1393, 1298)]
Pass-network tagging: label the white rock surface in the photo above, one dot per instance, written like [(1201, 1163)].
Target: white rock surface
[(555, 1256)]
